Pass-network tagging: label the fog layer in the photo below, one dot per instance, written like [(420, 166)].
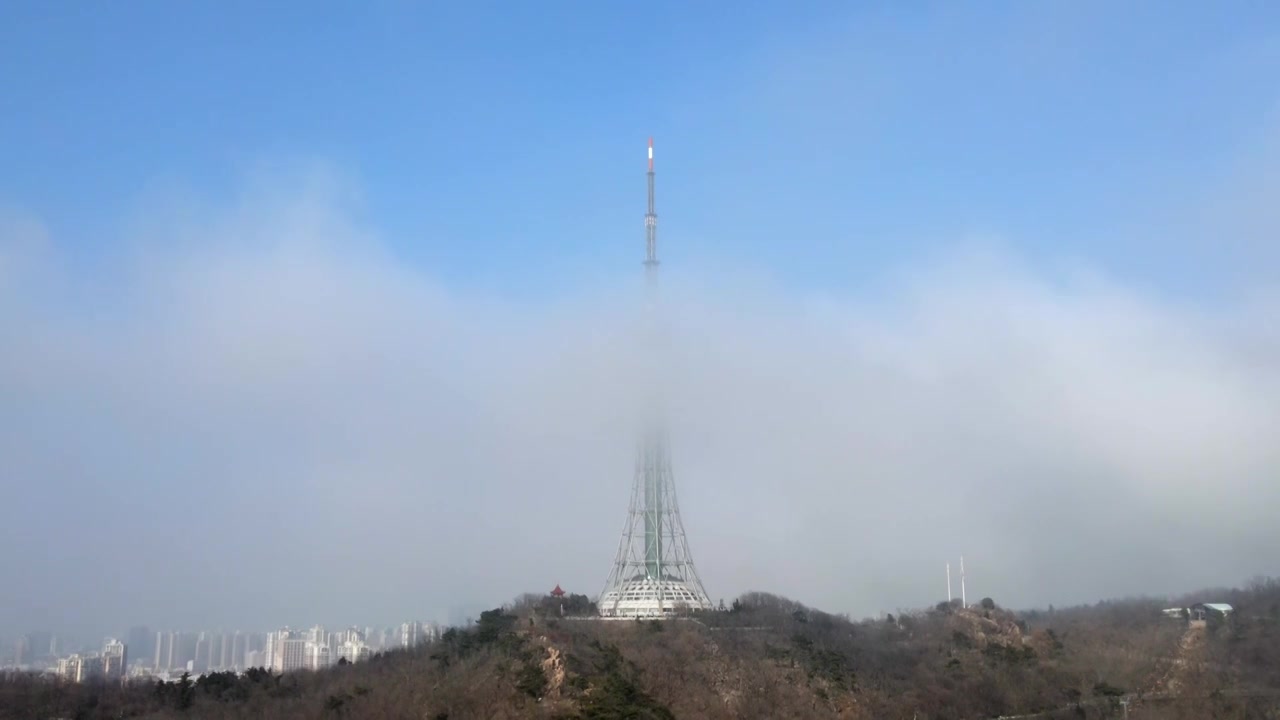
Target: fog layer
[(266, 417)]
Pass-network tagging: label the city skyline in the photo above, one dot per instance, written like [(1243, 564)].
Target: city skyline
[(167, 654)]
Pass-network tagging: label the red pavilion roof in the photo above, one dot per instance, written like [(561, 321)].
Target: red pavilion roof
[(557, 592)]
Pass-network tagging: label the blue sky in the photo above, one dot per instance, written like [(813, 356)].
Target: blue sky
[(824, 142), (333, 280)]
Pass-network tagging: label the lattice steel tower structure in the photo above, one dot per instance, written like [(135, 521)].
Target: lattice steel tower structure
[(653, 574)]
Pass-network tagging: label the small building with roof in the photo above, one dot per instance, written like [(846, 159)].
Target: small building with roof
[(1204, 611)]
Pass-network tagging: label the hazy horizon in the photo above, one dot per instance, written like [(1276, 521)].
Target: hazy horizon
[(312, 362)]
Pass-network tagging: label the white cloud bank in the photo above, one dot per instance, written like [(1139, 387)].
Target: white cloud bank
[(275, 421)]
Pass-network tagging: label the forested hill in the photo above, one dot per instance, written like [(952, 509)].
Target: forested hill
[(767, 657)]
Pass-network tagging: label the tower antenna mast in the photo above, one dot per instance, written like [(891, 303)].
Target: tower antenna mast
[(653, 573), (651, 230)]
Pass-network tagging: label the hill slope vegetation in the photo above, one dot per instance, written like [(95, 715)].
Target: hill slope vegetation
[(766, 657)]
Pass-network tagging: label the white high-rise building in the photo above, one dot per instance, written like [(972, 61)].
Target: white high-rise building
[(408, 636), (317, 636), (318, 656), (271, 650), (237, 651), (115, 658), (415, 633), (200, 660), (79, 668), (161, 661), (353, 651), (351, 634), (287, 650), (293, 654), (224, 651)]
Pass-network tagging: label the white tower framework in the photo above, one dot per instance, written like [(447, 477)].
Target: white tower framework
[(653, 574)]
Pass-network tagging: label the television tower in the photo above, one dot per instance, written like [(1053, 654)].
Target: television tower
[(653, 574)]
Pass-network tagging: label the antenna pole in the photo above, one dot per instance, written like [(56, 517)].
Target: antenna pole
[(651, 230), (963, 602), (654, 511)]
